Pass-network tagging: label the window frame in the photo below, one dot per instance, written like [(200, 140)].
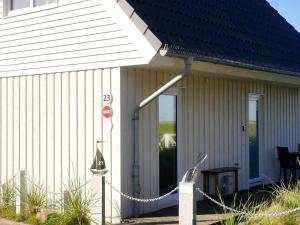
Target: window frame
[(8, 12)]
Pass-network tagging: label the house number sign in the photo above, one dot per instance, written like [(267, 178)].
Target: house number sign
[(107, 98), (107, 114)]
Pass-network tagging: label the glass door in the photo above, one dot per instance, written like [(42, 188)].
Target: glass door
[(253, 126), (167, 143)]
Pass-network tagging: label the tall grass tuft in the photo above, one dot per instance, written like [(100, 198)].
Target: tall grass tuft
[(7, 201), (35, 200), (283, 198), (77, 205), (233, 218), (8, 196)]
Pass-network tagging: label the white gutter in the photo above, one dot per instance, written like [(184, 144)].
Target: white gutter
[(136, 116)]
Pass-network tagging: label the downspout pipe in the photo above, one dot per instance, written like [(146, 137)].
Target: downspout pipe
[(136, 117)]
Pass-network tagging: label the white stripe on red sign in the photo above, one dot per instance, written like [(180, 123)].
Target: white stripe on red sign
[(107, 111)]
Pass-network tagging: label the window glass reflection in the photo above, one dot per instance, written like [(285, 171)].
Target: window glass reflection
[(19, 4)]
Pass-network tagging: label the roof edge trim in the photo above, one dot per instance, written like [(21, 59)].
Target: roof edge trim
[(140, 24)]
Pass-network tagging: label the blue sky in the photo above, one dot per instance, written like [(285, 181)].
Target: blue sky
[(167, 108), (289, 9)]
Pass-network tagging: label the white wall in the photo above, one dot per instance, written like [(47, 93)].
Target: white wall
[(72, 35), (1, 8), (214, 111), (49, 125)]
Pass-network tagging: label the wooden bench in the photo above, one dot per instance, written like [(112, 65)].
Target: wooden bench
[(216, 172)]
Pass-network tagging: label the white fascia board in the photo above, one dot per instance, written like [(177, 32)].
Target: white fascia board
[(147, 50), (140, 24)]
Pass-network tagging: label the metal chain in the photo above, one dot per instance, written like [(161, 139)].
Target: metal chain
[(57, 193), (249, 214), (82, 186), (7, 182), (149, 200), (40, 188)]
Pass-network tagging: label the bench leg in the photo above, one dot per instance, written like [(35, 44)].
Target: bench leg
[(207, 184), (204, 183), (217, 184), (236, 181)]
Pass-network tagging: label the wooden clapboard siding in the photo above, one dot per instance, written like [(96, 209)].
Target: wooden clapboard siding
[(1, 8), (212, 114), (49, 125), (69, 36)]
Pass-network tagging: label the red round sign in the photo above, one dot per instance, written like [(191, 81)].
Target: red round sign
[(107, 111)]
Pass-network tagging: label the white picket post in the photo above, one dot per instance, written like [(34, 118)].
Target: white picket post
[(21, 191), (187, 203), (98, 207)]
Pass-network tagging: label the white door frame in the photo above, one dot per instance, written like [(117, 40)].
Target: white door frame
[(173, 199), (256, 97)]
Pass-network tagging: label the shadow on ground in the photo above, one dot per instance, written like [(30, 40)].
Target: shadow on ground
[(207, 211)]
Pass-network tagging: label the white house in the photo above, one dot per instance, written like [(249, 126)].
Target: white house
[(62, 60)]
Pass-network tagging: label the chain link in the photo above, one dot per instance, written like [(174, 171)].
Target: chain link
[(149, 200), (57, 193), (249, 214), (40, 188), (7, 182), (82, 186)]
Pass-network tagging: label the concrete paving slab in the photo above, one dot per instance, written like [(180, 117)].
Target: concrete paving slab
[(9, 222), (201, 220)]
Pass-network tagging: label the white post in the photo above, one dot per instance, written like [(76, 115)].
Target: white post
[(98, 207), (187, 203), (21, 191)]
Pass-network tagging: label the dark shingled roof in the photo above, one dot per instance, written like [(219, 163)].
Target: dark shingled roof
[(248, 33)]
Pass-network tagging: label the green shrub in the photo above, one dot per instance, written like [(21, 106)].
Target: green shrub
[(56, 219), (32, 220)]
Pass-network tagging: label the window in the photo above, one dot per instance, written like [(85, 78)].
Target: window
[(167, 143), (21, 4)]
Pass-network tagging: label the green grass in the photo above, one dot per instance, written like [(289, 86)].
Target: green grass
[(7, 203), (8, 196), (76, 208), (35, 200), (283, 198), (167, 128), (8, 214), (252, 128), (232, 218)]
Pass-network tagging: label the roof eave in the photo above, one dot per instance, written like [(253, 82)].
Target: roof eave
[(198, 57)]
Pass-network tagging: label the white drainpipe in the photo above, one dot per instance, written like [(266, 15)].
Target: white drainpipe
[(136, 115)]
